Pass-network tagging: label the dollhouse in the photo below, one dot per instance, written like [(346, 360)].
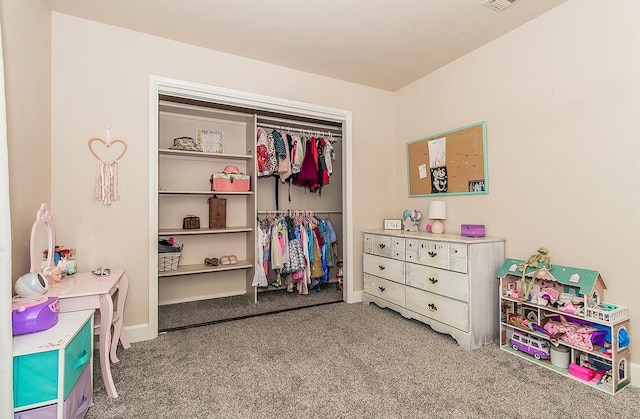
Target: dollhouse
[(588, 338)]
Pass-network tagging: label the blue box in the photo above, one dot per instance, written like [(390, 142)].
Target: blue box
[(472, 230)]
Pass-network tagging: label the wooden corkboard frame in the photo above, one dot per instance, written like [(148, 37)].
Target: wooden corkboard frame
[(459, 157)]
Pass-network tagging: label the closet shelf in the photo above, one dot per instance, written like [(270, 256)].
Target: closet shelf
[(183, 232), (174, 192), (219, 156), (202, 268)]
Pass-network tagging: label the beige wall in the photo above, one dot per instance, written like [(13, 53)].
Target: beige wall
[(100, 78), (26, 34), (561, 97)]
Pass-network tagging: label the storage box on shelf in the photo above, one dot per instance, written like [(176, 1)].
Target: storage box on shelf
[(444, 280), (559, 310), (230, 182)]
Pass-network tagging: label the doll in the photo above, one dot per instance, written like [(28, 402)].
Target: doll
[(53, 274)]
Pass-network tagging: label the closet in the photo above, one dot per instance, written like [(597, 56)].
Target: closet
[(183, 189)]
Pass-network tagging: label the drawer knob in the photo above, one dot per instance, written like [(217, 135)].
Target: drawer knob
[(381, 267), (432, 307), (382, 246), (381, 288), (433, 280), (433, 254)]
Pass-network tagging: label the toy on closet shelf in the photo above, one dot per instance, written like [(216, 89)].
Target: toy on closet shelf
[(339, 274)]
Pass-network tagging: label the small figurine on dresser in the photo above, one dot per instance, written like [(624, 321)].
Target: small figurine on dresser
[(411, 220)]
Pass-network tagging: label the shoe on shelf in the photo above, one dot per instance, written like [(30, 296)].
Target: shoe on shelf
[(211, 261)]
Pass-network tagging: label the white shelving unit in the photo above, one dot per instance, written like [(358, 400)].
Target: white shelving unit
[(184, 189)]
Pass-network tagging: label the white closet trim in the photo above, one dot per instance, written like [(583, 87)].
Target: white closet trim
[(188, 90)]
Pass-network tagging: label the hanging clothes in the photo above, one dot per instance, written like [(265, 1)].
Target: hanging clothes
[(262, 153), (308, 176), (259, 276), (297, 251), (284, 165), (271, 154)]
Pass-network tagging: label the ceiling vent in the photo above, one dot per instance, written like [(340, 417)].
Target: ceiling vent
[(498, 5)]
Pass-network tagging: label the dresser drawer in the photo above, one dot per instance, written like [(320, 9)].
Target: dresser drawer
[(378, 245), (382, 288), (397, 251), (397, 254), (458, 257), (384, 267), (368, 243), (447, 283), (445, 310), (433, 253)]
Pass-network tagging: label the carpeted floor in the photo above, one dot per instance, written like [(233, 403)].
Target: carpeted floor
[(338, 361), (174, 317)]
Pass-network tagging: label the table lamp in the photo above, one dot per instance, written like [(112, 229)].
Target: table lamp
[(437, 212)]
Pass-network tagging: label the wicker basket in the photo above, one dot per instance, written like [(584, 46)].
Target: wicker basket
[(168, 261)]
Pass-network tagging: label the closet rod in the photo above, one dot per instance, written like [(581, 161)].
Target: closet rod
[(299, 123), (325, 133), (284, 211), (298, 126)]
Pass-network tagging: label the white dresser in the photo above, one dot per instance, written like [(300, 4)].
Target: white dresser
[(444, 280)]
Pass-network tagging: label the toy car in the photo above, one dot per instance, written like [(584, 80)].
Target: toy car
[(538, 348)]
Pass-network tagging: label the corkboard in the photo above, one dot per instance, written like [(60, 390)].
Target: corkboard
[(450, 163)]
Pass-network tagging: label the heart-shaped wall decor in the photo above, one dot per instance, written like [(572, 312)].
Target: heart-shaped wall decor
[(97, 150)]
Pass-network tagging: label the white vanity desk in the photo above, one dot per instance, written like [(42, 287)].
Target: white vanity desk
[(444, 280)]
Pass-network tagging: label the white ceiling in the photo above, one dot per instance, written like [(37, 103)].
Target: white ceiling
[(380, 43)]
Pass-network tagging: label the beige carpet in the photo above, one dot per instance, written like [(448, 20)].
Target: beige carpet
[(338, 361), (197, 313)]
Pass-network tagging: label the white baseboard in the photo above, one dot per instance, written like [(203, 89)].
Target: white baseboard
[(357, 297), (137, 332)]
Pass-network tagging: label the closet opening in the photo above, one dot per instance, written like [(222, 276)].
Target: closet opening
[(283, 216)]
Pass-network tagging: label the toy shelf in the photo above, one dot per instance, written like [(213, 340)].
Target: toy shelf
[(554, 316)]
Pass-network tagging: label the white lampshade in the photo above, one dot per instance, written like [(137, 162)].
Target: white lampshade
[(438, 210)]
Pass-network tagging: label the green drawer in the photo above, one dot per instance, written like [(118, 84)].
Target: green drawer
[(35, 378), (76, 357)]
